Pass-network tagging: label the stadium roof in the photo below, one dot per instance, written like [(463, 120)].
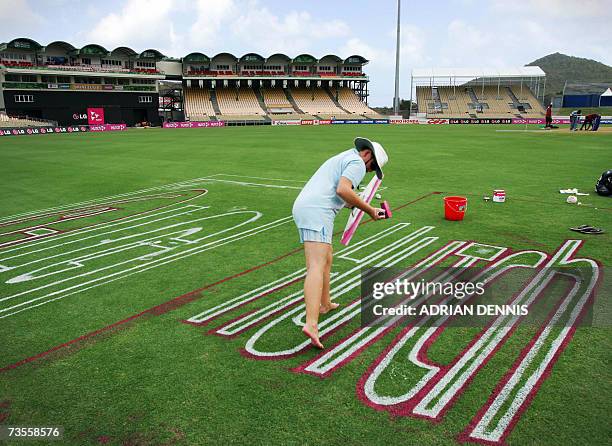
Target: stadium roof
[(65, 45), (332, 57), (125, 50), (279, 55), (231, 56), (150, 54), (516, 72), (92, 49), (252, 57), (195, 57), (356, 58), (304, 58), (22, 43)]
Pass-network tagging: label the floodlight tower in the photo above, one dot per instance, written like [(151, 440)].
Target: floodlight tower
[(396, 99)]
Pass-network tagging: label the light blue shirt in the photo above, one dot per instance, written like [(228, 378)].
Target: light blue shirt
[(317, 204)]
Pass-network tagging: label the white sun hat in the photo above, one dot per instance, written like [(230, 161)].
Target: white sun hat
[(380, 155)]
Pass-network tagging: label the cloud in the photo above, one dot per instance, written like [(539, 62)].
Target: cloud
[(381, 69), (19, 20), (144, 23), (241, 26), (555, 9), (211, 25)]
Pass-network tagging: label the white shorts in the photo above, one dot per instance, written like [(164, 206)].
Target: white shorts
[(310, 235)]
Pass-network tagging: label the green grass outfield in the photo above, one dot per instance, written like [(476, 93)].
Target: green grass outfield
[(96, 351)]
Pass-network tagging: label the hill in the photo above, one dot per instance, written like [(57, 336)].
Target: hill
[(561, 67)]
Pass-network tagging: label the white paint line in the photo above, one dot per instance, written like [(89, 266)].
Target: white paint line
[(157, 263), (363, 335), (253, 318), (101, 200), (338, 317), (229, 305)]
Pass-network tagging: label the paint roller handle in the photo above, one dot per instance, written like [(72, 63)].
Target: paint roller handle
[(386, 209)]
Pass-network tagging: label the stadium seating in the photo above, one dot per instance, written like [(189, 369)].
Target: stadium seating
[(241, 118), (275, 98), (198, 106), (9, 121), (341, 115), (458, 102), (291, 116), (242, 101), (315, 102), (537, 110), (351, 103)]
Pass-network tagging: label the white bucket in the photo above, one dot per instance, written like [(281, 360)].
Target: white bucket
[(499, 196)]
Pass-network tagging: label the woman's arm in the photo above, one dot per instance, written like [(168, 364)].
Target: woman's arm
[(346, 192)]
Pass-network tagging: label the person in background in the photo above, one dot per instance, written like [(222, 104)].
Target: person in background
[(596, 123), (548, 117), (588, 121), (574, 119)]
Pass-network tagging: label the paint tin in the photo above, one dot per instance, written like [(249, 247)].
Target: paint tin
[(499, 196)]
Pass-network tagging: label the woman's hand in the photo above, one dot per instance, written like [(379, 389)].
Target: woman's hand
[(377, 213)]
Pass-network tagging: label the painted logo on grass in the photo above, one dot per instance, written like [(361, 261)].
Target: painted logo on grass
[(429, 388)]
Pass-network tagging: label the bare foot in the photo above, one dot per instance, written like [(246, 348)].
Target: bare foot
[(313, 334), (327, 308)]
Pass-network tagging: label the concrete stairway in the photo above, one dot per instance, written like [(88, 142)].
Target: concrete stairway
[(260, 99), (292, 101), (335, 100), (215, 103)]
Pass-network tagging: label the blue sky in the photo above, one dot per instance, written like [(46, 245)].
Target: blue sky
[(451, 33)]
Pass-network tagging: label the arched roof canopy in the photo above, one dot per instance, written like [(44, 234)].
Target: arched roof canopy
[(280, 56), (93, 49), (61, 44), (356, 59), (331, 57), (304, 58), (252, 57), (125, 50), (196, 58), (22, 43), (151, 54), (225, 54)]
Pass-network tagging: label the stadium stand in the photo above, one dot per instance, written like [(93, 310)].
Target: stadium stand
[(478, 92), (198, 106), (316, 102), (59, 81), (279, 107), (466, 102), (350, 102), (276, 101), (238, 104), (10, 121)]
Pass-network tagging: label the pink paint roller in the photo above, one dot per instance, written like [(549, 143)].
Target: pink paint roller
[(385, 206)]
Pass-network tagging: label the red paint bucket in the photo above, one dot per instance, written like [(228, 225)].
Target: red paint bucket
[(454, 208)]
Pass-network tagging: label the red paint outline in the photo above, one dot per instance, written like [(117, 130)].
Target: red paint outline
[(464, 436), (302, 367), (406, 408), (246, 354)]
